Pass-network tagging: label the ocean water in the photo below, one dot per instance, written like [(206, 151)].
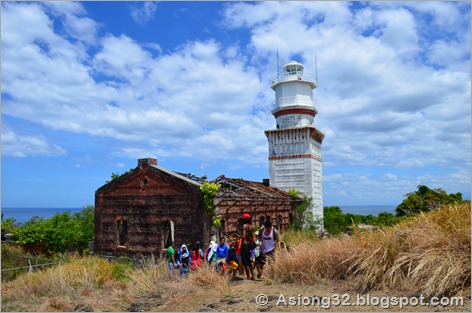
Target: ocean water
[(368, 209), (22, 215)]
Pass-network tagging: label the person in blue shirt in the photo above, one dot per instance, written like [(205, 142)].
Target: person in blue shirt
[(222, 254)]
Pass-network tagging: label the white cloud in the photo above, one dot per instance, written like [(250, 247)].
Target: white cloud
[(142, 15), (392, 94), (397, 30), (355, 189), (20, 145), (443, 15), (111, 60), (379, 105), (170, 100), (74, 22)]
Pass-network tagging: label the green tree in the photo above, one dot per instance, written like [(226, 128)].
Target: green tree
[(425, 199), (353, 219), (335, 221), (8, 225), (60, 233), (85, 227), (117, 175), (32, 234), (113, 177), (303, 216), (387, 219)]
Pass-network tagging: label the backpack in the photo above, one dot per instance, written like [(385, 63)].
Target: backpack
[(185, 260)]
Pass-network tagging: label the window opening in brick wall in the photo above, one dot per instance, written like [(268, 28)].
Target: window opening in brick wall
[(261, 221), (122, 226), (240, 226), (221, 231), (167, 233), (279, 222)]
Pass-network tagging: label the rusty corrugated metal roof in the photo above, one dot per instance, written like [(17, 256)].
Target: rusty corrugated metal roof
[(241, 189)]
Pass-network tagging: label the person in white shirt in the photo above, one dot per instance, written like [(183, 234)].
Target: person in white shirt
[(270, 240)]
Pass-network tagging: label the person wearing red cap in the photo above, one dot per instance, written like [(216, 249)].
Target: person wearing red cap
[(247, 238)]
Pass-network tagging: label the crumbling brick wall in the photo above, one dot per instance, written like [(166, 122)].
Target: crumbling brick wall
[(280, 215), (144, 201), (261, 202)]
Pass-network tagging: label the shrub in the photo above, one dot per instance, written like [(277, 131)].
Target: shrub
[(60, 233)]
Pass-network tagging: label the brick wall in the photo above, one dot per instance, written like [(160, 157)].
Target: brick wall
[(146, 199)]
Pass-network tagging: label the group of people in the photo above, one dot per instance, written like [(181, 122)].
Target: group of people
[(184, 259), (257, 248), (251, 251), (220, 257)]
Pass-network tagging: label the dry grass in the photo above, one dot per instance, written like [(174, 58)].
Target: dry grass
[(103, 285), (148, 278), (58, 288), (205, 277), (154, 276), (81, 272), (428, 254), (296, 237), (310, 262)]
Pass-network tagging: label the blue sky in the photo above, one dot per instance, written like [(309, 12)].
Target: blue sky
[(90, 87)]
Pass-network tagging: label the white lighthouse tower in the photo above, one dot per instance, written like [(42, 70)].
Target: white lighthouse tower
[(295, 146)]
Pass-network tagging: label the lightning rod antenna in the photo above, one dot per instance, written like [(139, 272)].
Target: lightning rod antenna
[(316, 70), (278, 74)]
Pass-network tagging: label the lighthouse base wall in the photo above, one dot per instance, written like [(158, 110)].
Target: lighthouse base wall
[(302, 173)]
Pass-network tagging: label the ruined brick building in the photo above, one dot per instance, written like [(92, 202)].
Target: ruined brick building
[(145, 209), (150, 206)]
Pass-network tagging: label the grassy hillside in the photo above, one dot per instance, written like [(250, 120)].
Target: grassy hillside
[(428, 254)]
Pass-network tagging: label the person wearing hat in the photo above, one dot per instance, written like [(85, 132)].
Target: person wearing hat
[(211, 254), (184, 259), (246, 240)]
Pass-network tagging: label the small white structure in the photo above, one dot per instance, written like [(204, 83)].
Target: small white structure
[(295, 144)]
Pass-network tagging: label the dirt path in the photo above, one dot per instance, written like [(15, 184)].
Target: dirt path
[(322, 296)]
